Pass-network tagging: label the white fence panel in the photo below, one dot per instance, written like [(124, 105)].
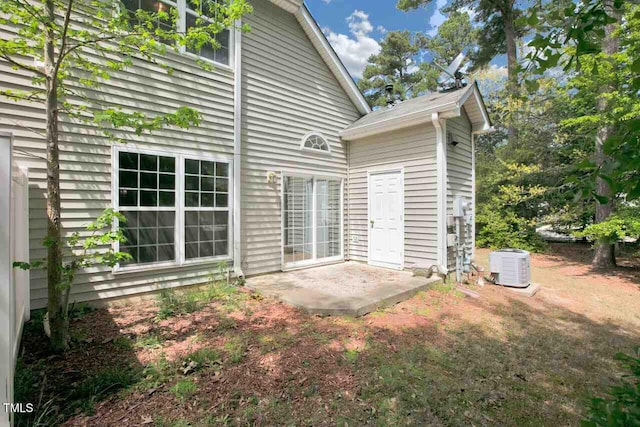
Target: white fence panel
[(14, 284), (20, 245)]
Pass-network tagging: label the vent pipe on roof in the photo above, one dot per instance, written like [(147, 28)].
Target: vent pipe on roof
[(390, 99)]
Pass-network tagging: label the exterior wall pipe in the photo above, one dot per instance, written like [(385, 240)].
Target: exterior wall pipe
[(441, 188)]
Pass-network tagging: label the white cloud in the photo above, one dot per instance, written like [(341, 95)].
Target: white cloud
[(326, 1), (381, 29), (437, 18), (356, 48), (498, 71), (471, 11)]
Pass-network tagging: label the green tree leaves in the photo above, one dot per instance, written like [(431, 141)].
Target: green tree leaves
[(98, 38), (396, 64), (393, 65)]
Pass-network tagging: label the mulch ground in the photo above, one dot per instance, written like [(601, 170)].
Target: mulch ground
[(439, 358)]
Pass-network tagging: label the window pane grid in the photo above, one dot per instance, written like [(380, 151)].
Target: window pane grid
[(206, 209), (147, 198), (206, 234), (220, 55), (146, 180), (150, 236), (316, 142)]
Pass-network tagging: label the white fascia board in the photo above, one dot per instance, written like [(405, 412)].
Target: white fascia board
[(334, 63), (486, 121), (411, 119)]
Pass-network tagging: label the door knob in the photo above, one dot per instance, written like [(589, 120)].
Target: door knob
[(371, 221)]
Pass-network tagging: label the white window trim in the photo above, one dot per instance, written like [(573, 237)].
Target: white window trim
[(314, 261), (315, 150), (181, 5), (179, 239)]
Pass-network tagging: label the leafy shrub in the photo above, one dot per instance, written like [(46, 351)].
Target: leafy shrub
[(509, 205), (624, 223), (505, 229), (622, 406)]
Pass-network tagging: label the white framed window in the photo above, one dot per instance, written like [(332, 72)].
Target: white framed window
[(177, 206), (312, 221), (189, 16), (222, 54), (206, 209), (316, 142)]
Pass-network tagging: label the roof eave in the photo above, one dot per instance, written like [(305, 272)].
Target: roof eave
[(408, 120)]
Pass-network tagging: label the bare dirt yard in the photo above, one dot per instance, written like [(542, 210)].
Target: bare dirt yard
[(224, 356)]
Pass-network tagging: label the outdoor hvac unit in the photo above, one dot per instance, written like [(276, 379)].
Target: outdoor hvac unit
[(510, 267)]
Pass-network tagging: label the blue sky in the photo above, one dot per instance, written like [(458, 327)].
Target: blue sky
[(355, 27)]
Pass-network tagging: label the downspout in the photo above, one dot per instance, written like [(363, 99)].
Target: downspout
[(441, 188), (473, 194), (347, 250), (237, 151)]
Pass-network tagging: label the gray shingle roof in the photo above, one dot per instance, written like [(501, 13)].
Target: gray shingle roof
[(429, 102)]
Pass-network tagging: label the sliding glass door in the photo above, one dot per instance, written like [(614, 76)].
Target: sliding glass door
[(312, 220)]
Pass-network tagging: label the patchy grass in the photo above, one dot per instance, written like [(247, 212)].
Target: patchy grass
[(184, 389), (149, 341), (123, 343), (235, 348), (164, 422), (204, 357), (172, 302), (438, 359), (100, 385), (351, 355)]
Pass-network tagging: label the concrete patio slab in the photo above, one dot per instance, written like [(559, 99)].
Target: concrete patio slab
[(349, 288)]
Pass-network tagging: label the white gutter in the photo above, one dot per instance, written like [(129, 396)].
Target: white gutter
[(237, 151), (441, 188)]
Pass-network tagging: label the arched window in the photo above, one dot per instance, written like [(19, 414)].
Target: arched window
[(316, 142)]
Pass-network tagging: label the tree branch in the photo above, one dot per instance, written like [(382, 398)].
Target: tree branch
[(92, 41), (67, 19), (30, 10), (21, 65)]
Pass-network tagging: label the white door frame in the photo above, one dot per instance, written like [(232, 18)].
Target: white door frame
[(314, 262), (369, 175)]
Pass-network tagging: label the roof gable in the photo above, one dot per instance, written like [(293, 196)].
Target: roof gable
[(329, 56)]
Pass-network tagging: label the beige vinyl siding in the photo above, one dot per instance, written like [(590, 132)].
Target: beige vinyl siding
[(413, 149), (86, 157), (459, 173), (287, 91)]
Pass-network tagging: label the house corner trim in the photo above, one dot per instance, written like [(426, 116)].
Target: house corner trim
[(237, 151)]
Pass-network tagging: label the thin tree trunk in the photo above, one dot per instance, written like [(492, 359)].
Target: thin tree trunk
[(512, 60), (605, 256), (57, 319)]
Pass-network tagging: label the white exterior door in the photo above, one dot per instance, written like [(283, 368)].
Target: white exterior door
[(386, 211)]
